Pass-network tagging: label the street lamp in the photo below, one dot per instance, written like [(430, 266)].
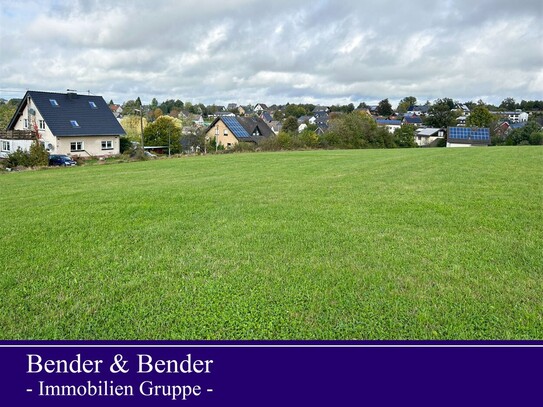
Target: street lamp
[(141, 125)]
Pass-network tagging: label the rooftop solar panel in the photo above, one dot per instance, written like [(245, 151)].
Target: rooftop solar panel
[(467, 133), (235, 127)]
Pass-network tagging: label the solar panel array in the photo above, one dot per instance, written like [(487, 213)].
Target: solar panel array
[(467, 133), (236, 128)]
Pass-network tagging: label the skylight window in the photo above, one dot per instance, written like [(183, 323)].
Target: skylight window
[(92, 104), (53, 102), (74, 123)]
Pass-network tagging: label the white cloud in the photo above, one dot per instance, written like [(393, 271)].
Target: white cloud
[(289, 50)]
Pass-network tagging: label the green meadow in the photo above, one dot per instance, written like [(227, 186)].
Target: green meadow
[(359, 244)]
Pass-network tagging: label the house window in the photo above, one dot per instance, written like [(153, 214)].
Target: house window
[(74, 123), (76, 146), (25, 124), (53, 102), (107, 145), (217, 130), (225, 132), (42, 124), (92, 104), (6, 145)]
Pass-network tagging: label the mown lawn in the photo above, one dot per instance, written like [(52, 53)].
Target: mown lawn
[(372, 244)]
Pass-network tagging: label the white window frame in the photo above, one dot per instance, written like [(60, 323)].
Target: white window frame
[(25, 123), (6, 145), (41, 124), (74, 123), (107, 145), (77, 146)]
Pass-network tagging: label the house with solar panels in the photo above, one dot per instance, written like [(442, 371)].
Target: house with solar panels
[(229, 131), (468, 136), (69, 123)]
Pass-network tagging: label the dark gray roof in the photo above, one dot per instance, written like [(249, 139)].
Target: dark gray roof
[(251, 129), (70, 114), (256, 127), (412, 119)]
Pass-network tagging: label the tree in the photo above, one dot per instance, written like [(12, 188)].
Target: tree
[(295, 110), (278, 115), (480, 117), (405, 136), (290, 125), (7, 111), (157, 113), (355, 130), (132, 126), (384, 108), (406, 103), (441, 114), (164, 131), (529, 134), (508, 104), (154, 104)]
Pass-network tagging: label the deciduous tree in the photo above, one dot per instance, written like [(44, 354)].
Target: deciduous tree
[(480, 117), (384, 108), (441, 113)]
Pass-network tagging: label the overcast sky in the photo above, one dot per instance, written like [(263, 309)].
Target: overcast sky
[(248, 51)]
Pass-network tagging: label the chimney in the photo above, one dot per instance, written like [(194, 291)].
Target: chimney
[(72, 93)]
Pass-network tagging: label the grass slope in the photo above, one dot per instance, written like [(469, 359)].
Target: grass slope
[(374, 244)]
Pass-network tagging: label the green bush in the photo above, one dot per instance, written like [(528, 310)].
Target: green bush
[(37, 155), (18, 158)]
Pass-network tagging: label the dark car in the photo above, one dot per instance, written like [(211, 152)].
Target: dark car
[(62, 160)]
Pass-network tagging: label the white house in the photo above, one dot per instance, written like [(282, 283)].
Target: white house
[(68, 123), (427, 136), (11, 141)]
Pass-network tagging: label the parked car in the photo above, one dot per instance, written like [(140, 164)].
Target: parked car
[(62, 160)]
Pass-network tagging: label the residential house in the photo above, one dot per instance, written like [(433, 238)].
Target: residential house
[(117, 110), (229, 131), (69, 123), (276, 126), (304, 119), (429, 137), (418, 110), (518, 116), (461, 121), (319, 109), (391, 125), (266, 117), (232, 106), (11, 141), (241, 111), (413, 120), (320, 118), (322, 128), (199, 121), (260, 107), (468, 137)]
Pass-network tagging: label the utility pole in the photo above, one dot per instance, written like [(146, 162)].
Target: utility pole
[(141, 126)]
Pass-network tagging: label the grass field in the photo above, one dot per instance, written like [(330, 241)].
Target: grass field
[(371, 244)]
